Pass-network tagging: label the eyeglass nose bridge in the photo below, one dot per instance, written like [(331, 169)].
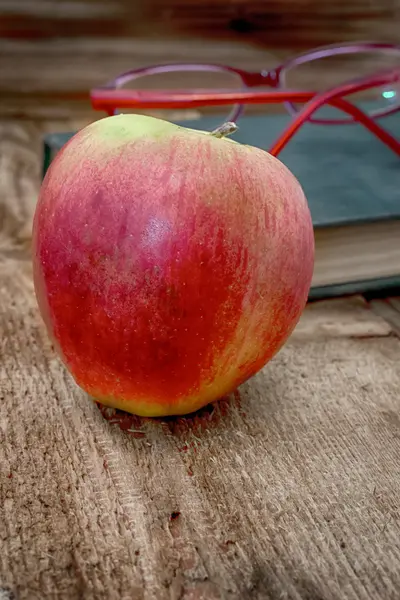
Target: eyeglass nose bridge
[(265, 77)]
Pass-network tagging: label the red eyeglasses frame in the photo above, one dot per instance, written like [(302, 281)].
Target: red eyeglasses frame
[(110, 99)]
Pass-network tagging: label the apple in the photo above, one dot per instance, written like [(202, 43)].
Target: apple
[(170, 265)]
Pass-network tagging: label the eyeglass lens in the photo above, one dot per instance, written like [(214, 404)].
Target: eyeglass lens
[(184, 79), (309, 73), (331, 71)]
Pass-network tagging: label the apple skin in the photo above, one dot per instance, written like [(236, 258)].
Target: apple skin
[(169, 265)]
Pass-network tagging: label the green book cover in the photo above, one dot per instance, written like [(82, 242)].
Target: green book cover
[(348, 175)]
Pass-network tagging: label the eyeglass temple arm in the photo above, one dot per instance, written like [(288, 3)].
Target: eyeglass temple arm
[(333, 98), (110, 100)]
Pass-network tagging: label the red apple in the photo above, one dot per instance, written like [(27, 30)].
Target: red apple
[(170, 264)]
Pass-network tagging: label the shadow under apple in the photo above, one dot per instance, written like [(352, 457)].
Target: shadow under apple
[(208, 417)]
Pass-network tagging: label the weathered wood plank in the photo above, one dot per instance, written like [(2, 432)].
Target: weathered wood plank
[(274, 24), (389, 309), (287, 489), (41, 19), (294, 23)]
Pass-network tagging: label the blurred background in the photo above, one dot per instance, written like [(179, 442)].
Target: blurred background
[(53, 51)]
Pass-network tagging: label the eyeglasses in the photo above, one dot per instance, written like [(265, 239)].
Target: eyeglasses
[(374, 92)]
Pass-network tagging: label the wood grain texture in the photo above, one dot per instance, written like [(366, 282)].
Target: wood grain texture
[(287, 489), (293, 23), (389, 309), (52, 53), (281, 24), (41, 19)]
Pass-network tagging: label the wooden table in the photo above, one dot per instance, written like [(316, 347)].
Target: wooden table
[(289, 488)]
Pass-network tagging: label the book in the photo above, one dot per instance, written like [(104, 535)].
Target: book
[(352, 184)]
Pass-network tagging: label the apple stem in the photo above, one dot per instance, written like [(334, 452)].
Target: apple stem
[(225, 129)]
